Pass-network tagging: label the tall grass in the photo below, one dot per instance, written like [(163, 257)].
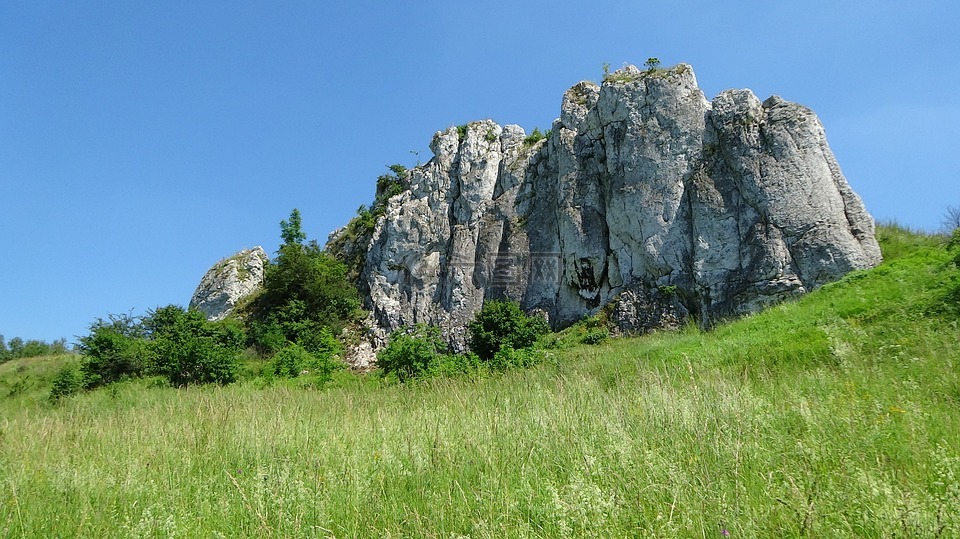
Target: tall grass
[(834, 416)]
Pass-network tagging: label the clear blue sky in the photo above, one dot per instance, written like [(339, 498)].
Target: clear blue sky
[(140, 142)]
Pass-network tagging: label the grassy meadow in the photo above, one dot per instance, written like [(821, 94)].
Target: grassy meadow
[(837, 415)]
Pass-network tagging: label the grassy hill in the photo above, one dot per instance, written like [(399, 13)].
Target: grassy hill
[(834, 416)]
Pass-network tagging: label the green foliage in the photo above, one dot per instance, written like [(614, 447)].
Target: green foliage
[(508, 357), (953, 245), (189, 349), (305, 293), (294, 361), (350, 246), (67, 382), (305, 290), (388, 186), (291, 232), (291, 361), (668, 290), (535, 137), (179, 345), (412, 352), (114, 350), (462, 132), (19, 348), (595, 336), (652, 63), (666, 435), (503, 324)]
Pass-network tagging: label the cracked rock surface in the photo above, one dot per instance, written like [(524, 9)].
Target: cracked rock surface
[(643, 185), (228, 282)]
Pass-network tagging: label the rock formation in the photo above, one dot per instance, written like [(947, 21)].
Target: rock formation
[(228, 282), (644, 192)]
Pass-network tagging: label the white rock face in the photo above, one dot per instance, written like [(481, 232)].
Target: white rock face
[(228, 282), (711, 209)]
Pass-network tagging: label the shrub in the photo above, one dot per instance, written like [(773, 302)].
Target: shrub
[(189, 349), (503, 323), (595, 336), (953, 244), (114, 350), (67, 382), (294, 361), (535, 137), (305, 289), (412, 352), (291, 361), (18, 348), (507, 357)]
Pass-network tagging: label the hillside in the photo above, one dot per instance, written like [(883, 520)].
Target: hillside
[(830, 416)]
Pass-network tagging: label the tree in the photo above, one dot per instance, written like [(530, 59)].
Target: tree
[(16, 347), (68, 381), (189, 349), (412, 352), (180, 345), (652, 63), (951, 219), (502, 324), (114, 350), (291, 232), (305, 290)]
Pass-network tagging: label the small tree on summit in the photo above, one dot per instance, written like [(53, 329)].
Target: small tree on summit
[(291, 232), (306, 296), (652, 63)]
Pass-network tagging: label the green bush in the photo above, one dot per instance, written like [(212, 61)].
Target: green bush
[(412, 352), (291, 361), (535, 137), (114, 350), (305, 290), (953, 245), (503, 324), (595, 336), (294, 361), (19, 348), (67, 382), (508, 357), (180, 345), (189, 349)]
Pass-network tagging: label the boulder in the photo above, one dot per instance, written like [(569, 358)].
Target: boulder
[(228, 282)]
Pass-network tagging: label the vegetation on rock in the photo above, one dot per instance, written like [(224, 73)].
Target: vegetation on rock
[(350, 244)]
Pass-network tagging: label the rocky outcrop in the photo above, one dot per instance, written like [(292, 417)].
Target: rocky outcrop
[(642, 186), (228, 282)]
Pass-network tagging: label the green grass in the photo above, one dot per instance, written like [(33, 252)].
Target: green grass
[(832, 416)]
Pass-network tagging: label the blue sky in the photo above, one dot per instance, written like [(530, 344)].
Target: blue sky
[(140, 142)]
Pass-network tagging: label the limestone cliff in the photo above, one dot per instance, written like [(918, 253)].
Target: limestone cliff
[(228, 282), (644, 190)]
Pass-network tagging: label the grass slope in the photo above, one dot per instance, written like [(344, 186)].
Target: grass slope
[(834, 416)]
